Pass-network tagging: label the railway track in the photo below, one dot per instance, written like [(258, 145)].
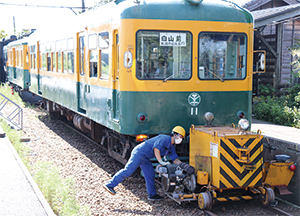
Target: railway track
[(276, 210), (83, 135), (279, 211)]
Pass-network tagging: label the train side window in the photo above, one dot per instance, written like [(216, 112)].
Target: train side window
[(48, 61), (66, 62), (71, 55), (44, 61), (59, 63), (44, 57), (81, 54), (222, 56), (64, 56), (164, 55), (104, 53), (93, 63), (32, 56), (58, 50), (62, 61), (93, 55), (54, 61), (5, 59), (71, 62)]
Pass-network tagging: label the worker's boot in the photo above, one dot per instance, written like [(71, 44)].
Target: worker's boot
[(109, 189), (155, 197)]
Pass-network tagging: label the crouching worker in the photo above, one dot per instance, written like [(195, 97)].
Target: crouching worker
[(159, 146)]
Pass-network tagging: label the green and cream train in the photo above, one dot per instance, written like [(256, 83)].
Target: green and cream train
[(130, 70), (133, 69)]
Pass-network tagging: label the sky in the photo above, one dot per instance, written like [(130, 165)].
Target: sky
[(27, 17)]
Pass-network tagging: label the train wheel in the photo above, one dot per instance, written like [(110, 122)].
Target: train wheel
[(205, 200), (268, 197)]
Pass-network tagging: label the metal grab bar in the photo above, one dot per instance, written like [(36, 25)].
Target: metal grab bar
[(18, 112)]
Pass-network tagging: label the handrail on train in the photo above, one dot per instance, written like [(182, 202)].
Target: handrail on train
[(11, 115)]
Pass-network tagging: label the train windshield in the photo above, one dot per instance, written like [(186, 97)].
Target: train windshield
[(222, 56), (164, 55)]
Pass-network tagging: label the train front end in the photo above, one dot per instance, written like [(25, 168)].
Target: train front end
[(180, 59)]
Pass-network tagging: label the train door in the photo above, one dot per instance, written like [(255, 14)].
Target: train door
[(116, 58), (82, 87)]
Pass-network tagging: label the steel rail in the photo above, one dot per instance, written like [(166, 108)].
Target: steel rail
[(280, 211), (85, 136), (209, 213)]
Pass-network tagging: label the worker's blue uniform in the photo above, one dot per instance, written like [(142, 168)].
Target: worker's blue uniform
[(140, 157)]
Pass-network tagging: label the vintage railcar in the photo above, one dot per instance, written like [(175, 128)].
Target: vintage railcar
[(3, 57), (136, 69), (132, 69), (18, 63)]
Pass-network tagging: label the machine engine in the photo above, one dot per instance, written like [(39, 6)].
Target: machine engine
[(177, 179)]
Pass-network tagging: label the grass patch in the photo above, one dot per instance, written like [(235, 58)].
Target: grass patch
[(14, 137), (59, 192), (5, 89)]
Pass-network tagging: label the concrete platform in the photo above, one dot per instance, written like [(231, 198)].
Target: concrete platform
[(282, 140), (19, 194), (285, 133)]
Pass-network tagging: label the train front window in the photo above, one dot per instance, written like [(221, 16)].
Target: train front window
[(222, 56), (164, 55)]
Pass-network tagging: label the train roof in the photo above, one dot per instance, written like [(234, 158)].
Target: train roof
[(22, 41), (207, 10)]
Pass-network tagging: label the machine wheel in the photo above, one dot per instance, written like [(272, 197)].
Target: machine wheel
[(205, 200), (268, 197)]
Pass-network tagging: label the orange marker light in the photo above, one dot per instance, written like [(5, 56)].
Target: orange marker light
[(141, 137)]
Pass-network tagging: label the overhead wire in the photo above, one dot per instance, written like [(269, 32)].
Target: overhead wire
[(46, 6)]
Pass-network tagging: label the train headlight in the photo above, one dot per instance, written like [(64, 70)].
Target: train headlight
[(208, 117), (244, 124)]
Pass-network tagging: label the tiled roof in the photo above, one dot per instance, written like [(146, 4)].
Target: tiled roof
[(267, 16)]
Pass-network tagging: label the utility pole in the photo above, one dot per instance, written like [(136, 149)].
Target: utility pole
[(14, 24), (83, 6)]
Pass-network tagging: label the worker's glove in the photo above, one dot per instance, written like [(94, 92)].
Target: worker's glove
[(164, 163)]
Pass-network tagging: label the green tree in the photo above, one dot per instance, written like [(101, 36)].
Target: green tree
[(295, 51), (2, 34)]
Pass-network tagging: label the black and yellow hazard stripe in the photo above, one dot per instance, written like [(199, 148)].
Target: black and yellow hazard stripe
[(233, 198), (233, 173)]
